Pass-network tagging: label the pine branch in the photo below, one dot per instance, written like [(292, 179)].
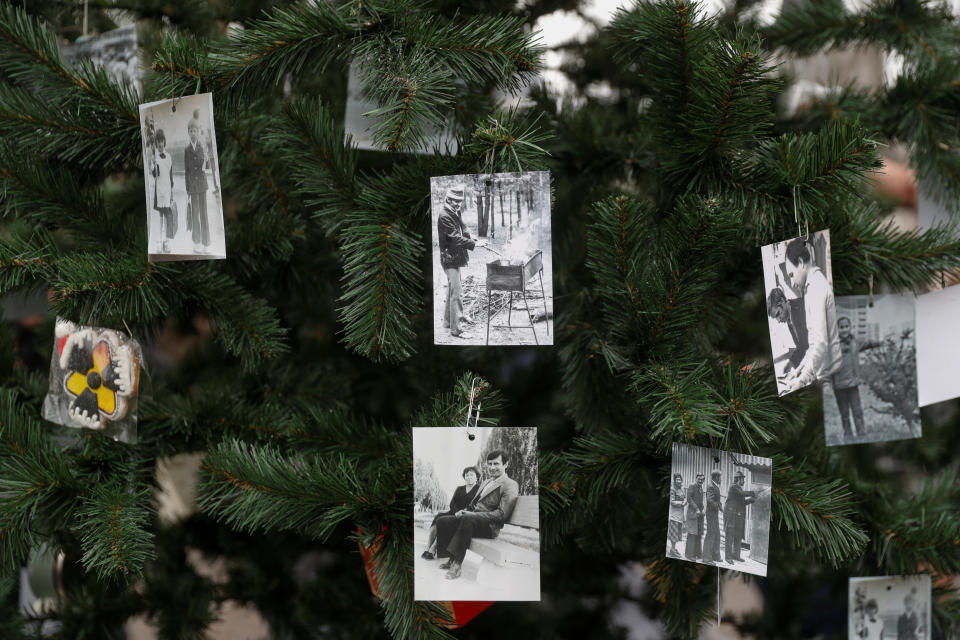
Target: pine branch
[(411, 90), (603, 462), (592, 391), (817, 513), (749, 405), (450, 408), (245, 326), (684, 274), (729, 107), (915, 27), (26, 260), (35, 481), (105, 288), (321, 165), (256, 488), (478, 49), (617, 239), (915, 531), (508, 141), (815, 173), (381, 284), (284, 42), (405, 618), (865, 245), (557, 493), (681, 403), (48, 195), (29, 46), (665, 39), (114, 527), (77, 134), (686, 595), (331, 431)]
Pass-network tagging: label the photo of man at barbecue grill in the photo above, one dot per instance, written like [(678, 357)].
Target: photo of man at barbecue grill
[(492, 271)]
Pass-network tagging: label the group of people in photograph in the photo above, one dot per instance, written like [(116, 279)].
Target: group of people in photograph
[(477, 510), (811, 318), (195, 184), (871, 625), (695, 512)]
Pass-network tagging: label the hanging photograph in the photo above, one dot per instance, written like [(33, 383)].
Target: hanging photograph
[(720, 508), (801, 311), (890, 607), (872, 396), (359, 122), (181, 176), (94, 380), (114, 51), (492, 271), (476, 514), (938, 350)]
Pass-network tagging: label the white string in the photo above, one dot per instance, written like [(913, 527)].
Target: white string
[(476, 420), (718, 596), (796, 219)]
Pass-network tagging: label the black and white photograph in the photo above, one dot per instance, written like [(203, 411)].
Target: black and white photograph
[(115, 51), (359, 122), (492, 259), (890, 608), (476, 514), (872, 396), (720, 508), (801, 311), (181, 176), (938, 350)]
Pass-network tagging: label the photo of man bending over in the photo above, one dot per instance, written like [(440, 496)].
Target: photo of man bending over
[(482, 518)]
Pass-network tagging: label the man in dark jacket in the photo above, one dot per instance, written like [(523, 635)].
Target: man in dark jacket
[(735, 517), (483, 518), (693, 521), (711, 542), (454, 241), (195, 178)]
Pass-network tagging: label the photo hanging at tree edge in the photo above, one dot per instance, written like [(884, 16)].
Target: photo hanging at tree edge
[(247, 340)]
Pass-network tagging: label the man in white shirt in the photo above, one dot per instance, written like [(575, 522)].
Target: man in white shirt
[(823, 356)]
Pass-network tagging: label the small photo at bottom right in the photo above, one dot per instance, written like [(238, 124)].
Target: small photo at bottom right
[(890, 607)]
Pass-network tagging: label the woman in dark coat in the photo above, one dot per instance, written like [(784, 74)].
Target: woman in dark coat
[(461, 499)]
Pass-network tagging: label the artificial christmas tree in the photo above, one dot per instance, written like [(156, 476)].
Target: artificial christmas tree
[(298, 365)]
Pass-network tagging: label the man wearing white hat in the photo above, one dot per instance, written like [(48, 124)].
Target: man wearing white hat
[(455, 241)]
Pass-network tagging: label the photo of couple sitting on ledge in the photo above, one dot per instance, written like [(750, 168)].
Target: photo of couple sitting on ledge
[(483, 542)]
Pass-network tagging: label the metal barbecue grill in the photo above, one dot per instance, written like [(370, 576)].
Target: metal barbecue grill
[(514, 277)]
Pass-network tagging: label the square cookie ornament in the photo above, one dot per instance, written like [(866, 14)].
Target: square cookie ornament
[(94, 380)]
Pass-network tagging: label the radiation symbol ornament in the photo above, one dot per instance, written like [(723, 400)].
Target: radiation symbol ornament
[(94, 376)]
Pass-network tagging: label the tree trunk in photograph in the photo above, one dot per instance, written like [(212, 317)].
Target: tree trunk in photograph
[(488, 209), (481, 217), (510, 212), (518, 208), (500, 191)]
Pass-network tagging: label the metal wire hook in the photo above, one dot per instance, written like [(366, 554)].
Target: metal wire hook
[(796, 218), (476, 420)]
